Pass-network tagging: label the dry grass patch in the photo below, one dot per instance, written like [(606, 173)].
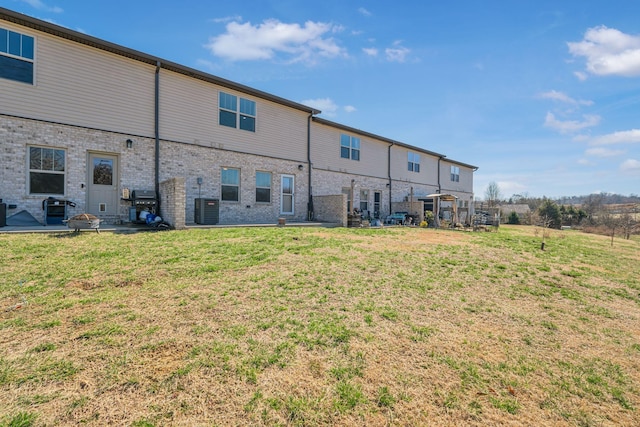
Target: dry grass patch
[(392, 326)]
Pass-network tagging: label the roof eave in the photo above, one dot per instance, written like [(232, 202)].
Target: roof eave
[(75, 36)]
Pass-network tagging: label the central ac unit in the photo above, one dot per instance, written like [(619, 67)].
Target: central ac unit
[(207, 211)]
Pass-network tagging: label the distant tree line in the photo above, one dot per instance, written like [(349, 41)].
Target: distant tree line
[(602, 213), (585, 202)]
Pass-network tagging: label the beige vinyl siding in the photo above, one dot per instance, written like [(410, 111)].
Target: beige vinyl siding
[(428, 166), (325, 152), (187, 110), (465, 185), (83, 86), (189, 113), (428, 169)]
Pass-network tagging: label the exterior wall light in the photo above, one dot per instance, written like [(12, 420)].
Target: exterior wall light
[(300, 167), (129, 143)]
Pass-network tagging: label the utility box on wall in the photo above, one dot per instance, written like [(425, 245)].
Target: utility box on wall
[(207, 211)]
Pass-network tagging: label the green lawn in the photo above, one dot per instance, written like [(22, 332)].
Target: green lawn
[(314, 326)]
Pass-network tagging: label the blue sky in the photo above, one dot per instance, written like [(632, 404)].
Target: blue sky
[(543, 96)]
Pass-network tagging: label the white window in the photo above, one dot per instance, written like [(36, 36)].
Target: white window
[(349, 147), (263, 187), (47, 168), (455, 174), (230, 179), (17, 53), (364, 200), (228, 116), (413, 162)]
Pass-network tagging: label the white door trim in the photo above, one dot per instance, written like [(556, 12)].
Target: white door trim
[(287, 194)]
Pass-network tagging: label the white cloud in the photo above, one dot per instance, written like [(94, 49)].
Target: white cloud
[(371, 51), (603, 152), (364, 11), (580, 75), (510, 187), (326, 105), (38, 4), (623, 137), (226, 19), (631, 166), (609, 52), (246, 42), (562, 97), (585, 162), (571, 126), (397, 53)]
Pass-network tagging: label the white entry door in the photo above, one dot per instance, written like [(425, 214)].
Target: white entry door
[(102, 198), (287, 194)]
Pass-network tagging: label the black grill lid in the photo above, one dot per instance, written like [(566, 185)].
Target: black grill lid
[(143, 194)]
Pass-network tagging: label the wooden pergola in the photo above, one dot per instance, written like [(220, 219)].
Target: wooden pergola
[(438, 198)]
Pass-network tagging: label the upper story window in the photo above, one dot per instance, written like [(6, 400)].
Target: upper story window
[(349, 147), (47, 170), (16, 56), (413, 162), (230, 178), (455, 174), (230, 105), (263, 187)]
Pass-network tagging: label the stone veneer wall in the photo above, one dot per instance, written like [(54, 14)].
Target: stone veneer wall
[(331, 208), (136, 164), (137, 172), (402, 191), (332, 182), (172, 202), (195, 162)]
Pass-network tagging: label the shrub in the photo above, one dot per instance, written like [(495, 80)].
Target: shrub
[(513, 218)]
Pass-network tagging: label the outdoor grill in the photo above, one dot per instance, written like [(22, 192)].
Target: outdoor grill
[(144, 199)]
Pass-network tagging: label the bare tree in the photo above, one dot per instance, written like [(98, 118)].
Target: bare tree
[(544, 222), (612, 222), (492, 194), (593, 205), (628, 224)]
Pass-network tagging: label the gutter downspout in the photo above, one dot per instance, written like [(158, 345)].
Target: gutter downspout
[(310, 213), (157, 132), (472, 205), (439, 187), (389, 175)]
